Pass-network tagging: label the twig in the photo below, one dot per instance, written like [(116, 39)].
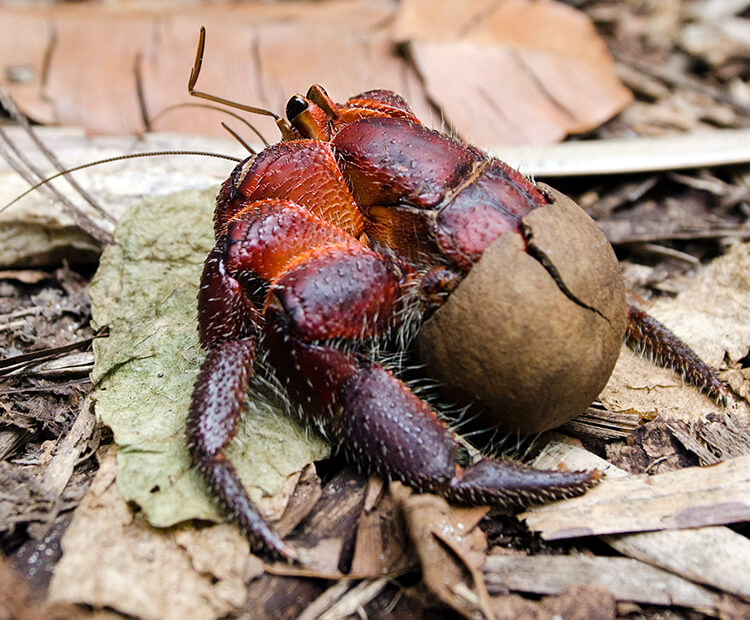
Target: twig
[(9, 150)]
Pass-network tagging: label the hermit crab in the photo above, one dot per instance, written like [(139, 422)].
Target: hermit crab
[(334, 245)]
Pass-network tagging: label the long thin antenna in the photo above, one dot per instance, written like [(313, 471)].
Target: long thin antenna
[(239, 139), (283, 125), (112, 159), (10, 105), (208, 106)]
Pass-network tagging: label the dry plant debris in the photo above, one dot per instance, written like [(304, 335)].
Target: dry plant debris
[(559, 76), (711, 315), (691, 553), (35, 232), (686, 63), (144, 572), (687, 498)]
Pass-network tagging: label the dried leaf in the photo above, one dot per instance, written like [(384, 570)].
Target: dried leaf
[(143, 61), (512, 72), (18, 603), (147, 573), (451, 549), (145, 290)]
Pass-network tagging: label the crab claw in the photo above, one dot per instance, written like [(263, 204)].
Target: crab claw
[(507, 482)]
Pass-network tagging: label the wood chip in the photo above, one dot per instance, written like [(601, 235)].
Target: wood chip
[(27, 276), (69, 449), (687, 498), (627, 579), (381, 537), (625, 156), (715, 556), (334, 518), (355, 599)]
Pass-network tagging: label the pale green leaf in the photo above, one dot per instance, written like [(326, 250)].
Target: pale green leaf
[(145, 291)]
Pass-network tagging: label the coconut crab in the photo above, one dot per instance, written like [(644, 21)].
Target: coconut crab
[(348, 233)]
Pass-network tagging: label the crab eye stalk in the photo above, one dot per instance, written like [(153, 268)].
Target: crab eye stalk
[(318, 95), (308, 118), (316, 89), (296, 106)]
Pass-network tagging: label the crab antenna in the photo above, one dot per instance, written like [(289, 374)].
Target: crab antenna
[(112, 159), (239, 139), (208, 106), (283, 124)]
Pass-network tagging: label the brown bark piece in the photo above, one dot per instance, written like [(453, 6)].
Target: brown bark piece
[(280, 594), (381, 537), (625, 578), (512, 72), (585, 602), (691, 497), (306, 494), (715, 556)]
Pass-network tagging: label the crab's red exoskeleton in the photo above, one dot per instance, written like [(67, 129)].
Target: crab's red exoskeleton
[(360, 221)]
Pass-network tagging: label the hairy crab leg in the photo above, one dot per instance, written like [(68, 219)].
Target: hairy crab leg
[(392, 432), (228, 326), (212, 422), (648, 336), (265, 235)]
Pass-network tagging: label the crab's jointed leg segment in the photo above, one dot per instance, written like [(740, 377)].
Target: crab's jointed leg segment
[(395, 434), (212, 422), (228, 326), (647, 335), (304, 172)]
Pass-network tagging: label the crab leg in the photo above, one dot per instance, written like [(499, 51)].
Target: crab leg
[(388, 429), (317, 312), (228, 328), (261, 239), (648, 336)]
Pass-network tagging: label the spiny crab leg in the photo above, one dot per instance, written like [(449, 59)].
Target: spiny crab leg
[(648, 336)]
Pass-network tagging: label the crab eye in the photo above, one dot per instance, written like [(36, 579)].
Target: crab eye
[(295, 106)]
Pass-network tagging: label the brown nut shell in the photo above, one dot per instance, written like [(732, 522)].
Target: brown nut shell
[(533, 335)]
